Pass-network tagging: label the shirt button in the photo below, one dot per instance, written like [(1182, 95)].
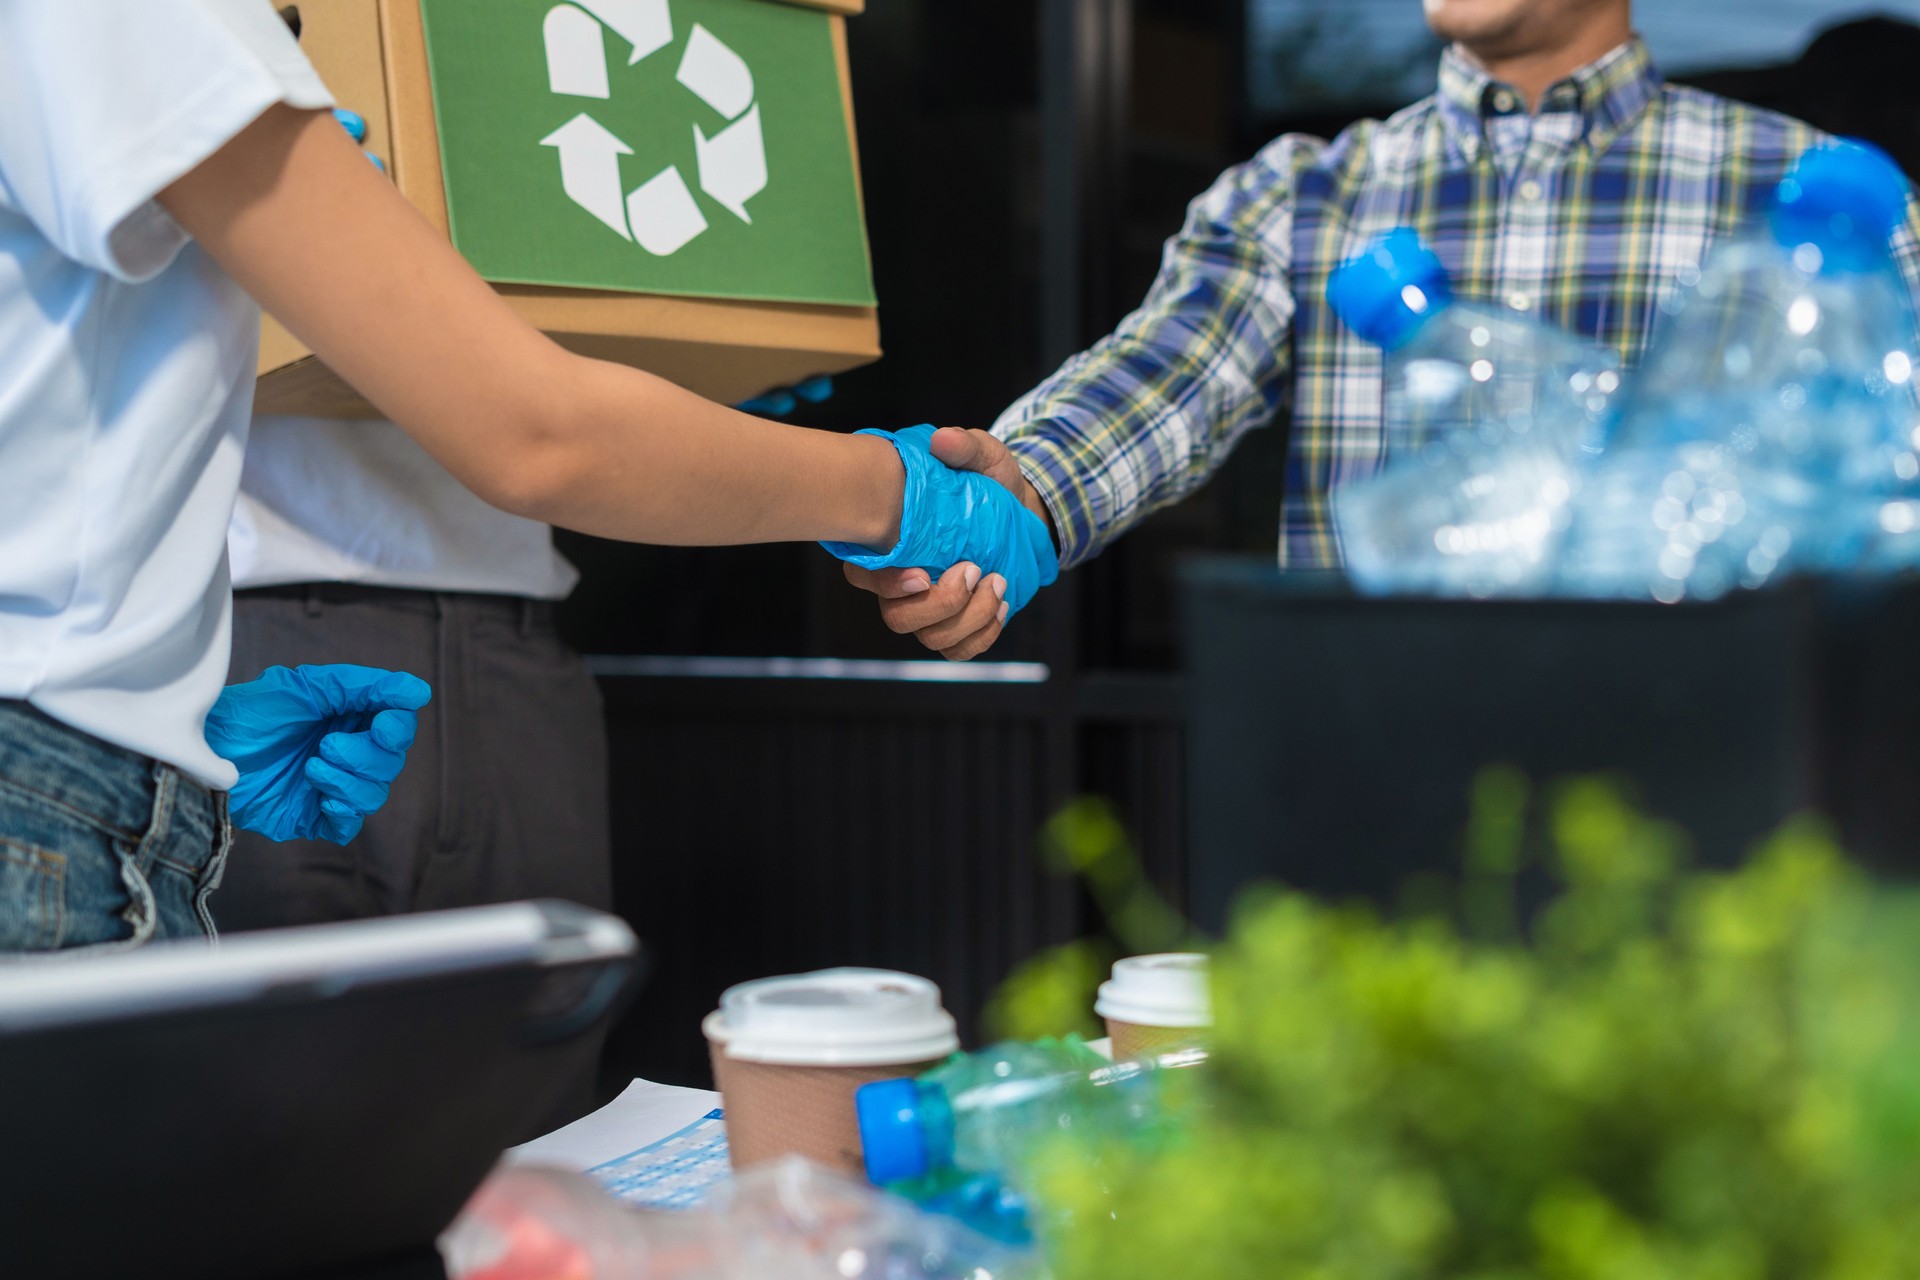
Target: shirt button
[(1520, 301), (1504, 102), (1531, 190)]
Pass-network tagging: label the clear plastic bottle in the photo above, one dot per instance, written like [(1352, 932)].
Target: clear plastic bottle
[(1771, 428), (960, 1137), (1488, 417)]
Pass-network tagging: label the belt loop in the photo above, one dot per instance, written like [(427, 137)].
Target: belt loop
[(314, 602), (526, 618), (166, 785)]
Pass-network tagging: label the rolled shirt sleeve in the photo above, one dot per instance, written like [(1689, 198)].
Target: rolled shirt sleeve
[(108, 102), (1142, 418), (1906, 251)]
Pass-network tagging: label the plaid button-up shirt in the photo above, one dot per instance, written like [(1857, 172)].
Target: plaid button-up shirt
[(1584, 214)]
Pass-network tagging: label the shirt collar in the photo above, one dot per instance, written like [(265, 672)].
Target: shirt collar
[(1610, 94)]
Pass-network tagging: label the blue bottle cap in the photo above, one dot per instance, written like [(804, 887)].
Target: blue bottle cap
[(1846, 198), (891, 1137), (1389, 291)]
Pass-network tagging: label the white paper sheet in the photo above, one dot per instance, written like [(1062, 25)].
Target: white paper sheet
[(656, 1145)]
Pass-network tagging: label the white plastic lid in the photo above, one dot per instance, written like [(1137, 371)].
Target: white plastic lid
[(1158, 991), (834, 1018)]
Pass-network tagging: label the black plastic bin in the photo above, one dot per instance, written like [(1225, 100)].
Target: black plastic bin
[(1333, 739)]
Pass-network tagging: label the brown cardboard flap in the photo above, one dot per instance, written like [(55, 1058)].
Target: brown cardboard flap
[(342, 40), (716, 320), (416, 140), (344, 36), (727, 375), (724, 374)]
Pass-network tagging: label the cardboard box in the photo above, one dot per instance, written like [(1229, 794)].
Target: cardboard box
[(375, 55)]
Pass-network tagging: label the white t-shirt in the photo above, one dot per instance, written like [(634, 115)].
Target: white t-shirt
[(324, 501), (126, 359)]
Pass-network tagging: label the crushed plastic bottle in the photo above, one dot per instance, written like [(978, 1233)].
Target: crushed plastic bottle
[(1480, 524), (960, 1138), (789, 1218), (1771, 429), (1489, 417)]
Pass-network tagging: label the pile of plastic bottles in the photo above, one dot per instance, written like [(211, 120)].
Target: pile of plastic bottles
[(951, 1155), (1770, 431), (962, 1140), (789, 1219)]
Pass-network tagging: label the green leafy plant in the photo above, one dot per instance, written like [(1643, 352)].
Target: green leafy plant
[(1052, 994), (1662, 1075)]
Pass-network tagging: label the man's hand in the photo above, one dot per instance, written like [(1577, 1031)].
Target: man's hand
[(960, 616)]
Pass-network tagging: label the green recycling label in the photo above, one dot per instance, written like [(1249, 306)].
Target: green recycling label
[(666, 146)]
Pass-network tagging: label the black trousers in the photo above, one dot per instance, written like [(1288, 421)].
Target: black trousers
[(504, 795)]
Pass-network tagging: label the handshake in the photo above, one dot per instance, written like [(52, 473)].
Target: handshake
[(974, 543), (317, 747)]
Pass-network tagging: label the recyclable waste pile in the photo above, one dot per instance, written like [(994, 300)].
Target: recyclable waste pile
[(789, 1219), (1490, 419), (1770, 431), (955, 1157), (967, 1138)]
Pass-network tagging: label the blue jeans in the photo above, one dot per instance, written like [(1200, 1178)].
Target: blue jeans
[(100, 847)]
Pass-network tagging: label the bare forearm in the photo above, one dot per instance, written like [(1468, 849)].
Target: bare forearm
[(647, 461), (294, 213)]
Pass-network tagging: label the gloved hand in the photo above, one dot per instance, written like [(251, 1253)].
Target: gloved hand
[(356, 126), (961, 613), (317, 747), (781, 401), (947, 516)]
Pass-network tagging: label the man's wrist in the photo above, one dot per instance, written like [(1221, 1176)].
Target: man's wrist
[(1030, 498), (1038, 493)]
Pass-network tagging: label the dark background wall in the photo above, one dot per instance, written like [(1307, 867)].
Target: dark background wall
[(1023, 162)]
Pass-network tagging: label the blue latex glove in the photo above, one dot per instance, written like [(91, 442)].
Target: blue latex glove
[(947, 516), (781, 401), (317, 747)]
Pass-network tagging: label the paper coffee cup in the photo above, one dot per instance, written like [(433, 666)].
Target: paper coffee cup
[(788, 1054), (1156, 1004)]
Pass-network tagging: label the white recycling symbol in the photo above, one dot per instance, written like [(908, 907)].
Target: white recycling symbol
[(661, 214)]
